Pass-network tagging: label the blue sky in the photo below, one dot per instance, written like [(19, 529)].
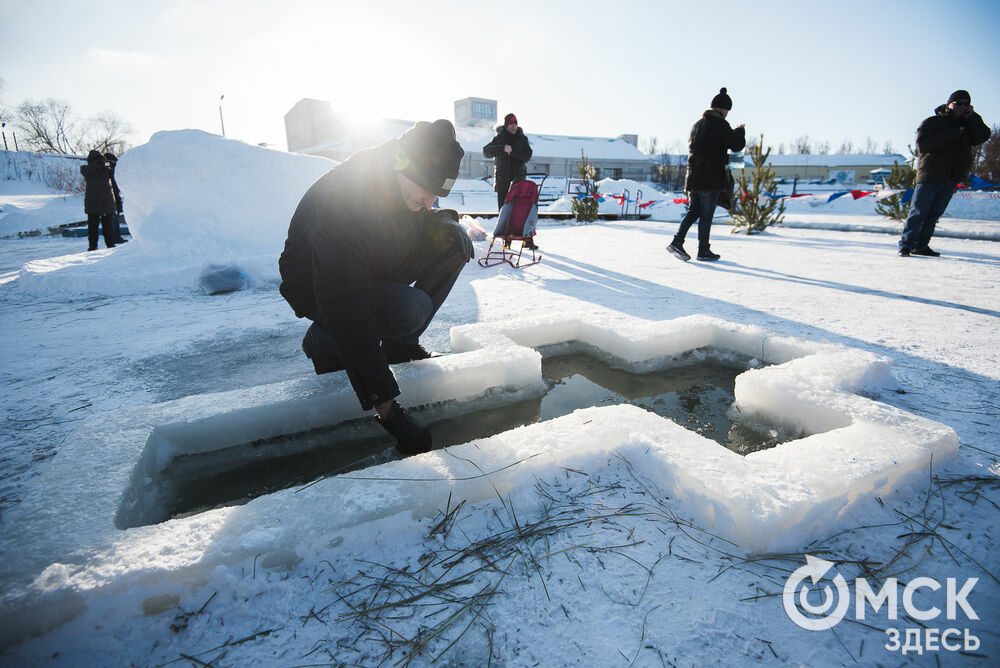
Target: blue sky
[(823, 69)]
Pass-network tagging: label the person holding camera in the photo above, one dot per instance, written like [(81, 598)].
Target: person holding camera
[(511, 152), (945, 142), (98, 199), (370, 263)]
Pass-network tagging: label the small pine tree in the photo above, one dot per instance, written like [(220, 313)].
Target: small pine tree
[(748, 214), (986, 163), (585, 209), (901, 176)]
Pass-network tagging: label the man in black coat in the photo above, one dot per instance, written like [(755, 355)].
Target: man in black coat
[(510, 152), (946, 142), (98, 199), (370, 264), (707, 173)]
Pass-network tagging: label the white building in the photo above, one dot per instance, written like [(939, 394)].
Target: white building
[(841, 168)]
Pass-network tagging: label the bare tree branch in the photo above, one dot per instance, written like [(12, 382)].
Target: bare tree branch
[(46, 126), (50, 127), (108, 133), (652, 145)]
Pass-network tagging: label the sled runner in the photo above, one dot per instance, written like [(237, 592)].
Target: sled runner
[(517, 222)]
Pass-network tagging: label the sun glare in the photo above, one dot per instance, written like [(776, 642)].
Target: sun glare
[(354, 113)]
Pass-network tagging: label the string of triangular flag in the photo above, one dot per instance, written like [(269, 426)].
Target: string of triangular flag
[(821, 198)]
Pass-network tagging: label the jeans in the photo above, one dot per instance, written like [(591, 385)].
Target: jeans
[(929, 203), (702, 208)]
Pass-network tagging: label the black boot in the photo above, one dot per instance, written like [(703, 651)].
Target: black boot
[(324, 360), (706, 255), (676, 248), (412, 438)]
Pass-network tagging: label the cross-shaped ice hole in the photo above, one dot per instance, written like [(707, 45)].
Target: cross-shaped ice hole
[(810, 392), (697, 392)]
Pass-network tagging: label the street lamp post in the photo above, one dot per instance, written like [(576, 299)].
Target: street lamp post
[(222, 122), (12, 134)]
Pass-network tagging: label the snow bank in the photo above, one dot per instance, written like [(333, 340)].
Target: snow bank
[(663, 209), (470, 195), (87, 523), (46, 172), (971, 206), (32, 214), (192, 200)]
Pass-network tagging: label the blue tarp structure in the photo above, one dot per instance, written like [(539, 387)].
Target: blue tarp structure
[(977, 183)]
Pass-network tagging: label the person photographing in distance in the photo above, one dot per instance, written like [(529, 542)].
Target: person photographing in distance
[(946, 142)]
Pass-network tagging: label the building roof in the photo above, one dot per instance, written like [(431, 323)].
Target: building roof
[(833, 159), (556, 146)]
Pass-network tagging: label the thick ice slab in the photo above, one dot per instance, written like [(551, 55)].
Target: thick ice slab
[(70, 542)]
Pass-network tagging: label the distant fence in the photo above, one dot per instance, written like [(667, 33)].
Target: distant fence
[(59, 172)]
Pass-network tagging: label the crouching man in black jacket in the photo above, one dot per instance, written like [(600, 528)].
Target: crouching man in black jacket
[(370, 264)]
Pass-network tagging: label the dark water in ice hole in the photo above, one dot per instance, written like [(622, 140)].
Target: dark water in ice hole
[(697, 396)]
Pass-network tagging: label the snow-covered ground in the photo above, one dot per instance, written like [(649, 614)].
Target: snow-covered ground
[(590, 562)]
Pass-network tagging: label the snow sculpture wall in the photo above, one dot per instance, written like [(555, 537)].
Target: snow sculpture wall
[(192, 200)]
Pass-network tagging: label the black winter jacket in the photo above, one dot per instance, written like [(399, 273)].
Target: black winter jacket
[(945, 143), (115, 190), (508, 168), (351, 227), (98, 198), (708, 152)]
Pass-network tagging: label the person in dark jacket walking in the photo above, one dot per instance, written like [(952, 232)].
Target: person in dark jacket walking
[(946, 142), (370, 263), (510, 151), (98, 199), (707, 173), (117, 220)]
